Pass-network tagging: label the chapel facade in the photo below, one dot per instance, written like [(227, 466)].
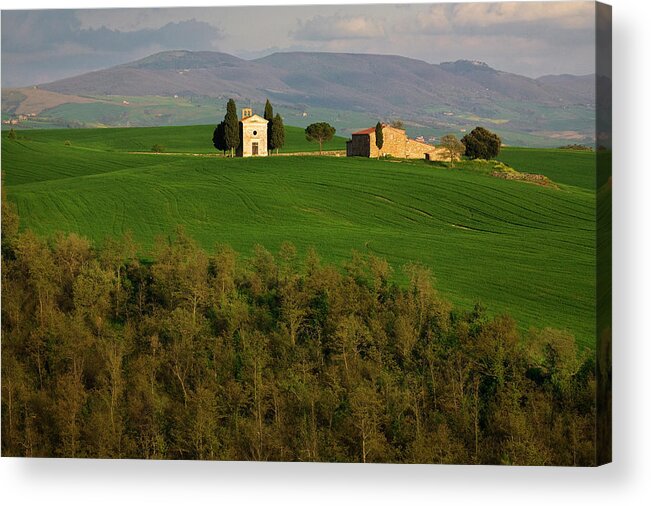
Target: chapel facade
[(253, 134)]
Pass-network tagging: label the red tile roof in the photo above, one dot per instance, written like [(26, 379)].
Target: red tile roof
[(371, 130), (366, 131)]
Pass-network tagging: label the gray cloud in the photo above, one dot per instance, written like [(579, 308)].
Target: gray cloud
[(569, 15), (532, 38), (29, 31), (190, 34), (41, 46), (554, 22), (339, 27)]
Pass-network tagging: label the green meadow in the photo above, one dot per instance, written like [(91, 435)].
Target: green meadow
[(574, 168), (517, 247), (185, 139)]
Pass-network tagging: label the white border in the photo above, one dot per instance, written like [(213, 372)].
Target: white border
[(625, 482)]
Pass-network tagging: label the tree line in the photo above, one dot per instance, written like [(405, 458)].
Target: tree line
[(208, 355), (226, 136)]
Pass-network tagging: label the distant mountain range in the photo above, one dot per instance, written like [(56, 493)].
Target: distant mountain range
[(450, 95), (376, 83)]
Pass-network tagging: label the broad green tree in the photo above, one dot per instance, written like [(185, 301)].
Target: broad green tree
[(481, 143), (320, 132)]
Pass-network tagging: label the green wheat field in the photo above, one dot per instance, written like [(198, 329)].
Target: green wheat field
[(514, 246)]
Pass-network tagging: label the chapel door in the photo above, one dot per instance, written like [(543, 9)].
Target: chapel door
[(254, 148)]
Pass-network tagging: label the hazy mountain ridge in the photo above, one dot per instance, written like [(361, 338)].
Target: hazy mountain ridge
[(360, 78), (441, 96)]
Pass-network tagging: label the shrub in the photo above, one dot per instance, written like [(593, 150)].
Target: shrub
[(158, 148), (12, 135), (576, 147), (482, 143)]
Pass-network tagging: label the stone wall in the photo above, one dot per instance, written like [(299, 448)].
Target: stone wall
[(416, 149), (439, 155), (394, 144)]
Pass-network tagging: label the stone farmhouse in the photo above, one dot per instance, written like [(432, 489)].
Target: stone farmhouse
[(396, 144), (253, 135)]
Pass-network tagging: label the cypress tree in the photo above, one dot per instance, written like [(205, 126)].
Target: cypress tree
[(379, 138), (231, 127), (277, 133), (218, 137), (269, 116), (268, 111)]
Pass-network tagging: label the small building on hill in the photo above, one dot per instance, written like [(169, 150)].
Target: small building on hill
[(396, 144), (253, 135)]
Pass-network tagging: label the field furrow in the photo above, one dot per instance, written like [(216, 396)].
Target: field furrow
[(517, 247)]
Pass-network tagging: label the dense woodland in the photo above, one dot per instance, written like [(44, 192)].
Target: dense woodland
[(210, 355)]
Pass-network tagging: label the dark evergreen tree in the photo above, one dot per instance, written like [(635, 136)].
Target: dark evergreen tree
[(231, 127), (481, 143), (269, 116), (268, 111), (219, 137), (379, 138), (277, 133)]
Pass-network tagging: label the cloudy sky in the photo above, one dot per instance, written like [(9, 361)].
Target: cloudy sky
[(529, 38)]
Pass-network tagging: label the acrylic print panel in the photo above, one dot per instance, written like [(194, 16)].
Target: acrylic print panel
[(346, 233)]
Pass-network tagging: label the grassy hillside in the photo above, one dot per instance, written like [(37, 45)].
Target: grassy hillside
[(185, 139), (576, 168), (516, 247)]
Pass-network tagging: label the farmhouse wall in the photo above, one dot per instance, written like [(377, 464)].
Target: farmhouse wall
[(417, 149), (439, 155), (359, 145), (395, 144)]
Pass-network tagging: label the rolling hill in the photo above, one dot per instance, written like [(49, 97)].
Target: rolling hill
[(372, 82), (430, 98), (518, 248)]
